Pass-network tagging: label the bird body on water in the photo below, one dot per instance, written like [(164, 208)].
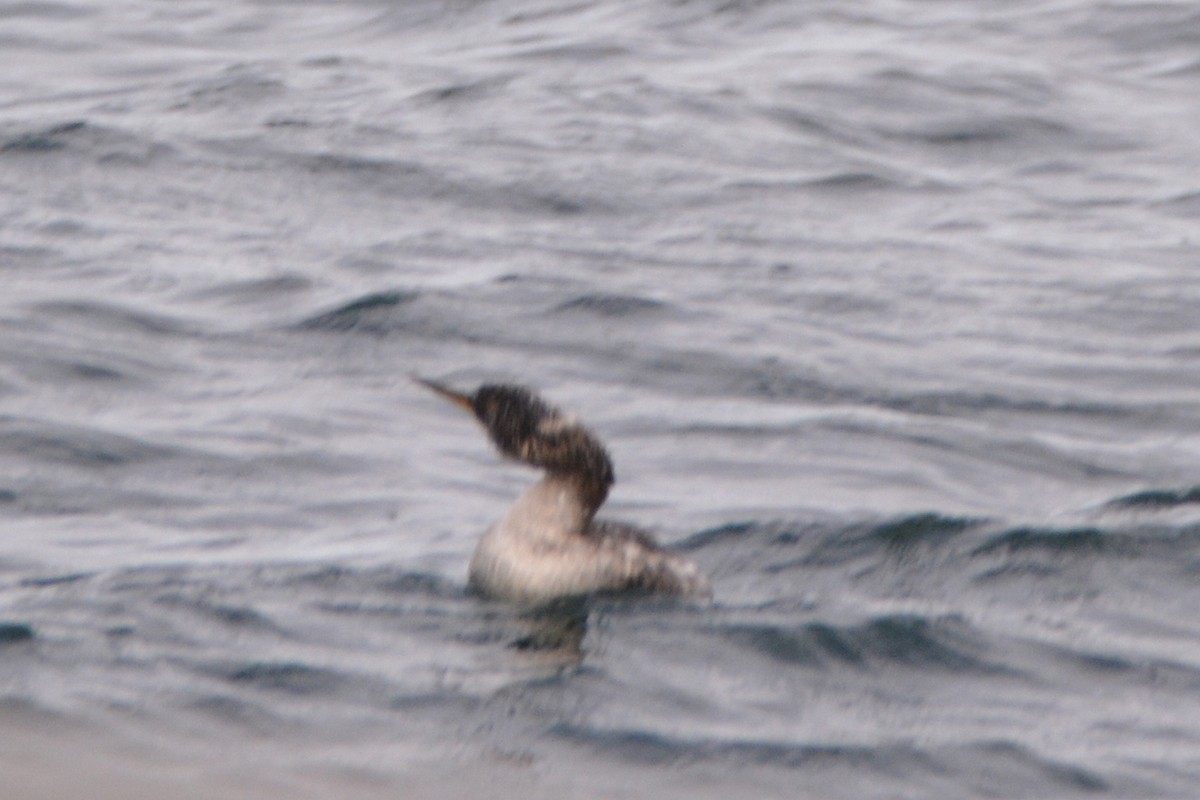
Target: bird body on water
[(549, 546)]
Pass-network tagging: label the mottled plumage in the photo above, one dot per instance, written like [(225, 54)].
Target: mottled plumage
[(549, 546), (526, 428)]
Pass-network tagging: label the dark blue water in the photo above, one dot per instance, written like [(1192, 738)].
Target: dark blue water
[(887, 312)]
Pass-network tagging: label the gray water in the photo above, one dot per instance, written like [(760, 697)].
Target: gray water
[(886, 310)]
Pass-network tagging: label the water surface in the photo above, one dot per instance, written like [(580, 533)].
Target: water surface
[(886, 311)]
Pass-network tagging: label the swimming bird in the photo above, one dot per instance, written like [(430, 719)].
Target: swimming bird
[(550, 546)]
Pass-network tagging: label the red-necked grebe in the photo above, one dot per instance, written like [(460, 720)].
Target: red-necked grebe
[(549, 546)]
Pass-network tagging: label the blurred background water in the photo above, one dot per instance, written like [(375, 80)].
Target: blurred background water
[(886, 309)]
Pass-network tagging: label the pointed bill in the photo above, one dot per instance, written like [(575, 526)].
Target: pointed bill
[(461, 400)]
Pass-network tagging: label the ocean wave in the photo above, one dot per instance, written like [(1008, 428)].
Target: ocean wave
[(991, 767), (1158, 498), (1068, 541), (290, 677), (15, 632), (889, 641), (785, 545), (612, 305), (378, 313), (47, 442), (107, 316), (659, 750), (82, 138)]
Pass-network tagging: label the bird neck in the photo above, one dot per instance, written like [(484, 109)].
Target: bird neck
[(554, 507)]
